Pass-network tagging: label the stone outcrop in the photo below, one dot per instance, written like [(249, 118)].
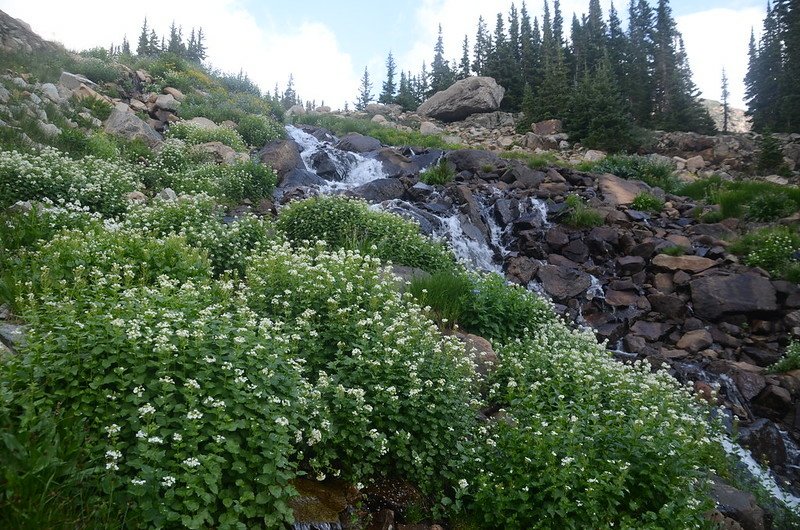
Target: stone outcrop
[(464, 98), (131, 127)]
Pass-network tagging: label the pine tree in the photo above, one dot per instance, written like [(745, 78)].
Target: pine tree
[(143, 46), (725, 107), (441, 75), (389, 87), (405, 94), (175, 44), (463, 65), (616, 44), (422, 86), (637, 83), (558, 24), (364, 91), (552, 96), (153, 47), (597, 115), (790, 102), (289, 98), (125, 49), (595, 34), (514, 44), (482, 48)]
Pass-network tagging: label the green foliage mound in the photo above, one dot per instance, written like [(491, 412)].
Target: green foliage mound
[(746, 199), (349, 223), (194, 134), (647, 202), (441, 173), (587, 442), (579, 215), (635, 167), (258, 130), (199, 221)]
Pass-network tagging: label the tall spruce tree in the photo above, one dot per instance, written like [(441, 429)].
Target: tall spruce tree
[(616, 45), (388, 88), (637, 83), (364, 91), (598, 115), (175, 44), (726, 111), (441, 75), (482, 48), (405, 94), (289, 98), (143, 45), (595, 35), (463, 65)]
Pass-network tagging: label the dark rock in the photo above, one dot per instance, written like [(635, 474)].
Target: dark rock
[(765, 441), (630, 264), (320, 133), (750, 384), (714, 296), (562, 283), (504, 213), (621, 298), (761, 356), (394, 163), (773, 402), (358, 143), (668, 305), (620, 192), (380, 190), (576, 250), (652, 331), (644, 250), (685, 263), (738, 505), (475, 161), (716, 231), (331, 164), (522, 269), (556, 237), (281, 155), (301, 177), (696, 340), (420, 192)]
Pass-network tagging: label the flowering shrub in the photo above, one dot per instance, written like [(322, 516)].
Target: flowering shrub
[(98, 184), (349, 223), (190, 398), (199, 220), (587, 442), (774, 249), (193, 134), (258, 130), (236, 182), (790, 360), (61, 263), (395, 392)]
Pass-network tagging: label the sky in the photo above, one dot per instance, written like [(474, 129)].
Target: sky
[(326, 45)]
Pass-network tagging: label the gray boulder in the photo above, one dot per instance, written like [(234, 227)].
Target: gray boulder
[(131, 127), (715, 296), (563, 283), (380, 190), (358, 143), (281, 155), (73, 81), (469, 96)]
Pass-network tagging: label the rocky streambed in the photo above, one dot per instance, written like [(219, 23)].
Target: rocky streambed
[(717, 323)]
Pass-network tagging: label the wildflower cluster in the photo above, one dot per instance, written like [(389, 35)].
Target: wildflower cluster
[(586, 441), (98, 184)]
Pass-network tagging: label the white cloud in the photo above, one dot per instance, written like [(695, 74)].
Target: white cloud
[(235, 40), (714, 38), (718, 38)]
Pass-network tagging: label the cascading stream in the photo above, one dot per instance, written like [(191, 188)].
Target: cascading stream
[(479, 250)]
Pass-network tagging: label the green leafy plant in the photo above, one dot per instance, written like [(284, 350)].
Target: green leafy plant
[(647, 202), (637, 167), (258, 130), (578, 215), (447, 293), (674, 250), (194, 134), (440, 173), (349, 223), (770, 156)]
